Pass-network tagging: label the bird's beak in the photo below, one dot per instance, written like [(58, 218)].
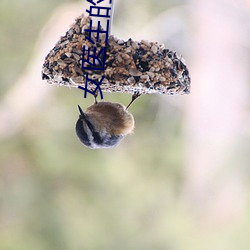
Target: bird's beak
[(82, 115)]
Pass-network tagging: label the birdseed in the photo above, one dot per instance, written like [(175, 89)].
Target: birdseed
[(130, 66)]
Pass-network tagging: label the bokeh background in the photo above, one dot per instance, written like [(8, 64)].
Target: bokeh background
[(180, 182)]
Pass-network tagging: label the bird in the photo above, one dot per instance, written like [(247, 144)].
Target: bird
[(104, 124)]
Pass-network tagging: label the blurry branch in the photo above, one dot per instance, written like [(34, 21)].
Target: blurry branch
[(216, 119), (162, 28), (29, 93), (166, 25)]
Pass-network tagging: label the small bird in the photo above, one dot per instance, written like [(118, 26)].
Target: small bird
[(104, 124)]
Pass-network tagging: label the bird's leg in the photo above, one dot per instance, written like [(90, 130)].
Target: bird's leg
[(96, 95), (134, 97)]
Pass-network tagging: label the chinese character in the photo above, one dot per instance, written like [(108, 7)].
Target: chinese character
[(98, 88), (98, 59), (98, 31), (98, 11), (90, 1)]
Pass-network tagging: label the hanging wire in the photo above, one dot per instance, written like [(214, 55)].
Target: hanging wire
[(111, 16)]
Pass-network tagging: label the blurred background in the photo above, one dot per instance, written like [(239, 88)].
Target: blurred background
[(180, 182)]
